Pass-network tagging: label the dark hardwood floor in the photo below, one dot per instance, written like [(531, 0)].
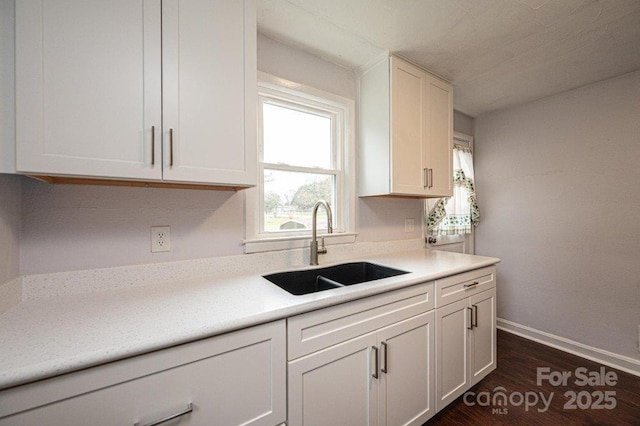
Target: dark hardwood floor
[(518, 361)]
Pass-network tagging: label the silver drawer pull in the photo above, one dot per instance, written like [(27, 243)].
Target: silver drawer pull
[(376, 371), (170, 417), (170, 147), (474, 319), (384, 369), (473, 284), (153, 145)]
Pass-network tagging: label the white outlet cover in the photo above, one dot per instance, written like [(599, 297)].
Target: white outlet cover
[(160, 239)]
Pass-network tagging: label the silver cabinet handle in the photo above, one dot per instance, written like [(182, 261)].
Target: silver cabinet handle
[(170, 147), (153, 145), (425, 177), (430, 177), (384, 368), (473, 284), (469, 321), (474, 320), (376, 372), (170, 417)]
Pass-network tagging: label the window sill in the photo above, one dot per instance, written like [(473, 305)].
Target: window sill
[(294, 242)]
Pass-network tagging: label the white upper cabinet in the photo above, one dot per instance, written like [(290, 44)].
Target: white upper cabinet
[(209, 75), (136, 90), (406, 137), (88, 88), (438, 119)]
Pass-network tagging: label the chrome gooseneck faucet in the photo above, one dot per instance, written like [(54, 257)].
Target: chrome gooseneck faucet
[(314, 237)]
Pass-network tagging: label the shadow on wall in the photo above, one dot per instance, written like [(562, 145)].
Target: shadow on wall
[(72, 227), (9, 227)]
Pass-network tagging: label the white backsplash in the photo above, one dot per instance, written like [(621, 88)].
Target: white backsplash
[(75, 282)]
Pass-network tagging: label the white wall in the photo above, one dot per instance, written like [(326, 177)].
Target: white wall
[(72, 227), (462, 123), (558, 181), (9, 227), (302, 67)]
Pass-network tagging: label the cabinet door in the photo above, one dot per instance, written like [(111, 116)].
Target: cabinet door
[(88, 88), (482, 339), (452, 374), (407, 381), (209, 74), (438, 101), (334, 386), (407, 133)]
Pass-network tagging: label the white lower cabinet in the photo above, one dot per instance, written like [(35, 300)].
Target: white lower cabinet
[(232, 379), (407, 376), (465, 333), (334, 386), (382, 377), (385, 360)]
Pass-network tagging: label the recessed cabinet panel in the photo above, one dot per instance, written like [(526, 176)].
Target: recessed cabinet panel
[(407, 89), (206, 92), (88, 87), (452, 346), (407, 379), (483, 338), (438, 157), (333, 386)]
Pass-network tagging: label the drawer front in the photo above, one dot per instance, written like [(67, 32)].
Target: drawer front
[(320, 329), (244, 384), (457, 287)]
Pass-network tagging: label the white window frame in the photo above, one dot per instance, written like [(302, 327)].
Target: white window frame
[(283, 92)]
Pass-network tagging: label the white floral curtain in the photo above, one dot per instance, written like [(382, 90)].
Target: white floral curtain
[(458, 214)]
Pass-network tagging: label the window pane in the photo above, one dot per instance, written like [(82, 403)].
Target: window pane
[(295, 137), (289, 198)]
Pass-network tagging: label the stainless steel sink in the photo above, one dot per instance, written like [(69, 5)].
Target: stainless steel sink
[(320, 279)]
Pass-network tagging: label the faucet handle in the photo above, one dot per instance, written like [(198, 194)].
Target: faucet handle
[(322, 249)]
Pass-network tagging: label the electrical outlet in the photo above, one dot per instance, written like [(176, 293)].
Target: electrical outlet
[(160, 238), (408, 225)]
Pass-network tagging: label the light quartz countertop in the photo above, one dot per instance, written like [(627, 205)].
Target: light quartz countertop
[(42, 338)]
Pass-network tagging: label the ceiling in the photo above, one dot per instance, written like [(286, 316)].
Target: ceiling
[(497, 53)]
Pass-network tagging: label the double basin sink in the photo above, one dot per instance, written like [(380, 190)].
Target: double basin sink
[(320, 279)]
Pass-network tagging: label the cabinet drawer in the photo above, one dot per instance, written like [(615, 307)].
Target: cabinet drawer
[(241, 380), (310, 332), (457, 287)]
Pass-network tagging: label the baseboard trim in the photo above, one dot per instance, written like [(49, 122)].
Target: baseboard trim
[(620, 362)]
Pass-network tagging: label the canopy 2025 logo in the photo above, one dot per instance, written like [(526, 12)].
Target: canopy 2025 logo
[(500, 398)]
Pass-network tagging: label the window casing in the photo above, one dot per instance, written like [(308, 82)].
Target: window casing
[(299, 163)]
